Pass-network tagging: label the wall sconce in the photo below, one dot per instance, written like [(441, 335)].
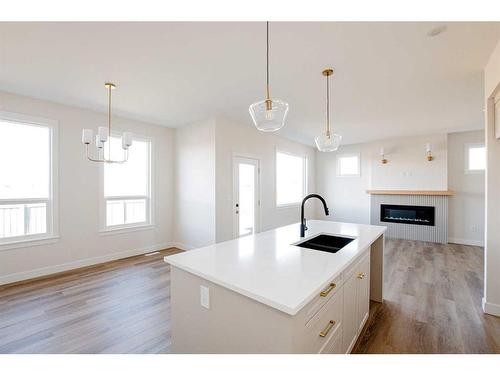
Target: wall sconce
[(428, 150), (383, 160)]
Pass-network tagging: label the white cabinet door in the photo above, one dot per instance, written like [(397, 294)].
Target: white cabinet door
[(350, 314), (356, 302), (363, 292), (497, 115)]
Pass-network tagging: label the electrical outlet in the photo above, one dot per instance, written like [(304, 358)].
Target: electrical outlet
[(473, 228), (204, 297)]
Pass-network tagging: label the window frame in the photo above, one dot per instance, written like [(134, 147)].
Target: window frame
[(52, 208), (149, 223), (467, 147), (305, 177), (346, 155)]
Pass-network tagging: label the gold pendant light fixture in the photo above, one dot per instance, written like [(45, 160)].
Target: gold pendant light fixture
[(102, 136), (328, 141), (268, 115)]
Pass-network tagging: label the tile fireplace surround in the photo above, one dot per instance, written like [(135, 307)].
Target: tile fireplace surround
[(437, 199)]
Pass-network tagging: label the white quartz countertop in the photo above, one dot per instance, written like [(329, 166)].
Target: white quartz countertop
[(268, 268)]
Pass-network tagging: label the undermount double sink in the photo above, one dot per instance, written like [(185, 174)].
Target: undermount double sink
[(324, 242)]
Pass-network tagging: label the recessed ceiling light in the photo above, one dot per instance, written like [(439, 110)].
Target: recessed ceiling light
[(436, 31)]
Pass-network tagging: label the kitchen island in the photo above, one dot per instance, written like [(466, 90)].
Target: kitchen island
[(263, 294)]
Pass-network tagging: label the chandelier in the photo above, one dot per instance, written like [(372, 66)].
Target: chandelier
[(103, 135)]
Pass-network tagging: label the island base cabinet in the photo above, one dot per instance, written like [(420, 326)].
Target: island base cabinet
[(356, 302), (233, 323)]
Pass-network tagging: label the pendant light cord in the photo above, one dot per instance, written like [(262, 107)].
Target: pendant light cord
[(109, 110), (328, 106), (109, 121), (267, 60)]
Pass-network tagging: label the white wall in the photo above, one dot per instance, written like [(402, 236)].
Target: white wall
[(80, 243), (491, 301), (234, 138), (346, 196), (466, 206), (407, 169), (195, 185)]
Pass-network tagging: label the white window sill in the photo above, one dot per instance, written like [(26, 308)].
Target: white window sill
[(38, 241), (121, 230)]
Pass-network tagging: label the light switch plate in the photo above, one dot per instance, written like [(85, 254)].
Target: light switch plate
[(205, 297)]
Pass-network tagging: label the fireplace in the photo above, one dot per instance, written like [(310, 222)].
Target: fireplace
[(419, 215)]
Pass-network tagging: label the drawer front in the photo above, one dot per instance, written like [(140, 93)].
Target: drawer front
[(355, 266), (324, 325), (334, 345), (323, 297)]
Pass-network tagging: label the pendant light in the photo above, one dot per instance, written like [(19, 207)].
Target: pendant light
[(328, 141), (268, 115), (103, 134)]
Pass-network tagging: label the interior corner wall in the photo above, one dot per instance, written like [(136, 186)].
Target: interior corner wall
[(466, 206), (194, 224), (491, 300), (80, 243), (233, 138)]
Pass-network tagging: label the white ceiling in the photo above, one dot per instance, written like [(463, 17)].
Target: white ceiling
[(391, 78)]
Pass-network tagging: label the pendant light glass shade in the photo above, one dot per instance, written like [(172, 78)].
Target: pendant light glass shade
[(269, 116), (328, 143)]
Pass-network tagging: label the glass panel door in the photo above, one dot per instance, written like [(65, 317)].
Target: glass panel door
[(246, 196)]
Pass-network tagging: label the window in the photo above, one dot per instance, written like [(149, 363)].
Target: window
[(290, 179), (127, 193), (348, 165), (26, 191), (475, 158)]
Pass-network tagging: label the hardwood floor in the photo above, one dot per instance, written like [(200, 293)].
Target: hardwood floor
[(117, 307), (432, 302), (433, 305)]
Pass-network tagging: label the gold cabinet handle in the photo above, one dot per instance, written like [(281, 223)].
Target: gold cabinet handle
[(361, 275), (323, 333), (325, 292)]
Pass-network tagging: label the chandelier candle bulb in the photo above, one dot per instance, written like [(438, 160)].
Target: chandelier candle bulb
[(126, 140), (87, 136), (98, 142), (102, 133)]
